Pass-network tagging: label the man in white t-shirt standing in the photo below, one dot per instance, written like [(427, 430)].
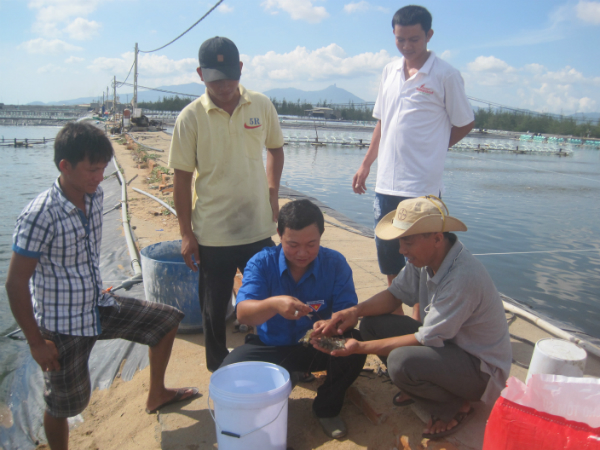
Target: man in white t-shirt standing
[(422, 110)]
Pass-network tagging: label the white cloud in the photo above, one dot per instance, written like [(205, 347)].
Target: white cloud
[(159, 65), (565, 75), (588, 11), (532, 86), (357, 7), (488, 64), (117, 66), (153, 69), (82, 29), (62, 10), (491, 71), (45, 46), (73, 60), (362, 6), (587, 104), (534, 68), (446, 55), (51, 15), (297, 9), (223, 8), (560, 98), (50, 68), (326, 63)]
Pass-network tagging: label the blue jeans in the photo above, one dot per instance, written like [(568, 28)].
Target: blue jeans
[(390, 260)]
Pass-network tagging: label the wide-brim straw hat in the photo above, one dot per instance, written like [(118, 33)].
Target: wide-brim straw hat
[(427, 214)]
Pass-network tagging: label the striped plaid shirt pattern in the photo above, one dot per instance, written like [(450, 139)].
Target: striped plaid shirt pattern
[(66, 285)]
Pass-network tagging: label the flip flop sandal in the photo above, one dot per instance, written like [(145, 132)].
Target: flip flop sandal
[(306, 377), (179, 397), (461, 417), (408, 401)]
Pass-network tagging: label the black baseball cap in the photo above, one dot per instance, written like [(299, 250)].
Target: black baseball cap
[(219, 59)]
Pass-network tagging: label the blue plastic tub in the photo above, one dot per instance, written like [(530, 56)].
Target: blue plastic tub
[(168, 280)]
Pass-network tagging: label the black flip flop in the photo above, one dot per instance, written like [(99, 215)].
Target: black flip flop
[(306, 377), (461, 417), (179, 397), (408, 401)]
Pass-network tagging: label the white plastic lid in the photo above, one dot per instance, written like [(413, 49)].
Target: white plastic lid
[(561, 349)]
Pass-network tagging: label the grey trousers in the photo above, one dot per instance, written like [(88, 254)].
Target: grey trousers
[(439, 379)]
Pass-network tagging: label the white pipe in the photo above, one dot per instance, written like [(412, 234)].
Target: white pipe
[(157, 199), (541, 323), (133, 253)]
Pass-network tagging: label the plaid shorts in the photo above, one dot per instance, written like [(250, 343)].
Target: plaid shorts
[(67, 392)]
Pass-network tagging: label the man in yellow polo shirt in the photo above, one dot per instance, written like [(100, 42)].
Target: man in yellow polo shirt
[(221, 135)]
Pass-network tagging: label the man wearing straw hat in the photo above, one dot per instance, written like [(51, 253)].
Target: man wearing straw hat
[(460, 352)]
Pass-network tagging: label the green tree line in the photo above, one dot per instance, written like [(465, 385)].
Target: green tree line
[(484, 118), (176, 103), (534, 123), (298, 108), (290, 108)]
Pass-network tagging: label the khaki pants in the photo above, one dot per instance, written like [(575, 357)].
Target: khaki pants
[(439, 379)]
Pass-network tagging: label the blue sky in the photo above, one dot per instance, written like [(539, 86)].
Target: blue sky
[(536, 54)]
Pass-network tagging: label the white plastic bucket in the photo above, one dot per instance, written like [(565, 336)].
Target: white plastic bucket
[(250, 406), (557, 357)]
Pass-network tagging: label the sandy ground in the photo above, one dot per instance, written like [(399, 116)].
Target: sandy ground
[(115, 418)]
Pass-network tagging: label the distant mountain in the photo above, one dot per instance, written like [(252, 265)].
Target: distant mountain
[(331, 94), (76, 101), (143, 95)]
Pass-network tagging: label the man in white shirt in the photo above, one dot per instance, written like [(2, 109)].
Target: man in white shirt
[(422, 110)]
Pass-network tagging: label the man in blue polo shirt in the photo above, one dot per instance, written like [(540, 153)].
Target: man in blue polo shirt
[(286, 290)]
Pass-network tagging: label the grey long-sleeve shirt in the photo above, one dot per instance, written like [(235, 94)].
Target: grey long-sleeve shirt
[(460, 304)]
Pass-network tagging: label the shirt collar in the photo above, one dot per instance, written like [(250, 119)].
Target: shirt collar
[(312, 268), (245, 98), (446, 263), (426, 67), (208, 104), (64, 202)]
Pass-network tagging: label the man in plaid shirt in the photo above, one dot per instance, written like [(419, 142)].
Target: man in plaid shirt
[(56, 246)]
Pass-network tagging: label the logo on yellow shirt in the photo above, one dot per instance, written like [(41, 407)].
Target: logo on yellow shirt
[(254, 123)]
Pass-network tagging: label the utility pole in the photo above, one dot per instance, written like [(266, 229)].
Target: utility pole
[(115, 94), (135, 75)]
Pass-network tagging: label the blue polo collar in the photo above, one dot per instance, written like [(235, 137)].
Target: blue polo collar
[(312, 267)]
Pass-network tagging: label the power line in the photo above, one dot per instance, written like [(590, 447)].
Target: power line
[(529, 112), (127, 74), (160, 90), (199, 20)]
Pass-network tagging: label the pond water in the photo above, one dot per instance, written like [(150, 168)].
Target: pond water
[(533, 219)]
